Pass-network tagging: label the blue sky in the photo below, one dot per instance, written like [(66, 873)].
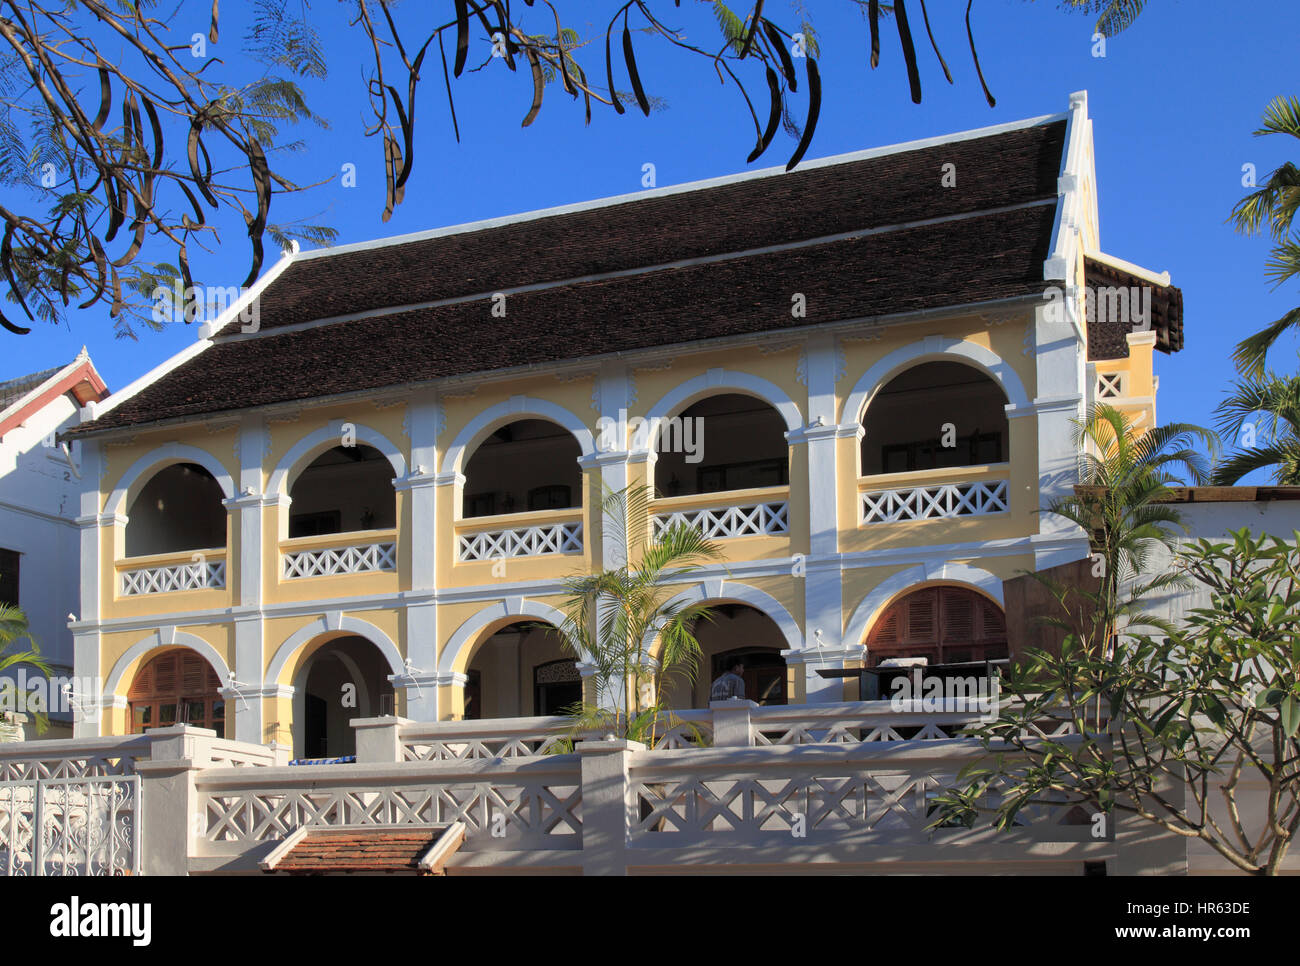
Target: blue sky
[(1174, 102)]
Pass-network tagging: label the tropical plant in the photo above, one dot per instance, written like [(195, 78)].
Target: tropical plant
[(1199, 736), (1272, 207), (1125, 477), (614, 618), (1277, 400), (15, 631)]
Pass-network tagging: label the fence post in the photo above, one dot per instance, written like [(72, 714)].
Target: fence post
[(606, 804), (731, 725), (379, 740), (170, 819)]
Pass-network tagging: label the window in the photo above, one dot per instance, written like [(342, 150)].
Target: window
[(9, 577), (176, 687), (945, 625), (549, 498), (743, 476), (315, 524)]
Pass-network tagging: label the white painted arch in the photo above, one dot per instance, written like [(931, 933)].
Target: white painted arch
[(916, 578), (514, 408), (147, 466), (313, 444), (159, 640), (467, 635), (717, 382), (338, 626), (933, 348), (730, 591)]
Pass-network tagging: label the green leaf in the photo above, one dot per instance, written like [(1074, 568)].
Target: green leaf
[(1290, 715)]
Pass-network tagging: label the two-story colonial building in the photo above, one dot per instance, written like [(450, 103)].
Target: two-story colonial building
[(860, 378)]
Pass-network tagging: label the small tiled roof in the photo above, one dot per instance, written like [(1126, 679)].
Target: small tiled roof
[(1107, 340), (860, 239), (14, 389), (377, 849)]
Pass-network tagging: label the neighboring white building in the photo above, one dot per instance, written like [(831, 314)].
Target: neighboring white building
[(40, 480)]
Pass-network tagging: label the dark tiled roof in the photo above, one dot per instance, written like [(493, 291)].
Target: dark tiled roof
[(979, 254), (14, 389), (1107, 339), (358, 850)]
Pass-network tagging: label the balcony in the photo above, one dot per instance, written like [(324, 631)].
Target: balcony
[(937, 494), (535, 534), (168, 573), (756, 512), (338, 554)]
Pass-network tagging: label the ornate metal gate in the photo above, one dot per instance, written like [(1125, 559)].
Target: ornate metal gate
[(70, 826)]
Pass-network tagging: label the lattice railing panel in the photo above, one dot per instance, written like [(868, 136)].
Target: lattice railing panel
[(499, 815), (75, 826), (205, 575), (1110, 385), (335, 561), (715, 808), (719, 523), (934, 502), (521, 542)]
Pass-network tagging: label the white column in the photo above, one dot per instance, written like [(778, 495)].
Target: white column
[(421, 616), (823, 646), (249, 506), (1057, 405), (85, 634)]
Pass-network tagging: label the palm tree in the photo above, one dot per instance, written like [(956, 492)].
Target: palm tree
[(612, 615), (1121, 502), (14, 628), (1277, 399), (1273, 206)]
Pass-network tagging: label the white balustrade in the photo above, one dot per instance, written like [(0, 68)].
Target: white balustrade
[(333, 561), (506, 805), (521, 542), (766, 519), (936, 502), (198, 575)]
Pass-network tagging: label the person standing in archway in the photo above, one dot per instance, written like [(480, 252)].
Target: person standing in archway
[(729, 684)]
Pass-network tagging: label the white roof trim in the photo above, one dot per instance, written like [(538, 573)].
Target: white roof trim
[(1155, 278), (1063, 259), (707, 183), (93, 411)]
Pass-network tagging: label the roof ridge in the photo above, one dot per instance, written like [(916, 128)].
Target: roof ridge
[(704, 184)]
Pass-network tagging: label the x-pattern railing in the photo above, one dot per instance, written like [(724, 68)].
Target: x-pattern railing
[(521, 542), (199, 575), (719, 523), (934, 502), (334, 561)]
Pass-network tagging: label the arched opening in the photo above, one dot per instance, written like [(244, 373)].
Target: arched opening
[(735, 632), (724, 442), (346, 488), (942, 625), (526, 465), (935, 415), (176, 686), (343, 679), (521, 670), (180, 508)]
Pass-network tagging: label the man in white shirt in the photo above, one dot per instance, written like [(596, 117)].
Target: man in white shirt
[(729, 684)]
